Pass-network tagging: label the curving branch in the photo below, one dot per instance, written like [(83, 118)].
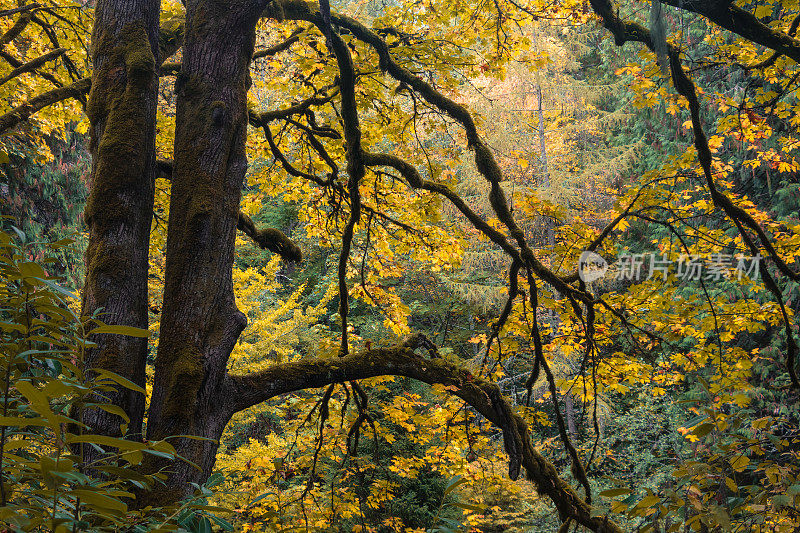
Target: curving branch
[(484, 159), (280, 47), (260, 118), (726, 14), (24, 111), (355, 164), (14, 11), (170, 39), (20, 24), (242, 391), (624, 31), (270, 239), (33, 64)]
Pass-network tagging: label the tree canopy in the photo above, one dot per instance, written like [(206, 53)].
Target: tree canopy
[(563, 218)]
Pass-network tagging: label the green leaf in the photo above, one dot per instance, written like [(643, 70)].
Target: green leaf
[(129, 331), (106, 374), (18, 421), (113, 409), (103, 440), (204, 526), (453, 484), (703, 429), (611, 493), (221, 522), (100, 501), (31, 270), (648, 501), (469, 506)]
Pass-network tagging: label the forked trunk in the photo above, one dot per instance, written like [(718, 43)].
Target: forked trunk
[(200, 322)]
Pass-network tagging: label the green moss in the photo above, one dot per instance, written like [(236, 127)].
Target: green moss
[(116, 103), (186, 376), (102, 261)]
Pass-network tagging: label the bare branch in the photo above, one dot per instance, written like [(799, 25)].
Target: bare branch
[(33, 64), (280, 47)]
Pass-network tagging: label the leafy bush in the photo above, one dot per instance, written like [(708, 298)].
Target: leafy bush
[(45, 481)]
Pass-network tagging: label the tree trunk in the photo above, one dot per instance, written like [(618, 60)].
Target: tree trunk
[(200, 322), (569, 410), (122, 113)]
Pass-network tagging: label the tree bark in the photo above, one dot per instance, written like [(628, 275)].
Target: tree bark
[(122, 113), (200, 322)]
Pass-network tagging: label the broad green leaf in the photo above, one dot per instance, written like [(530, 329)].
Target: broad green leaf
[(129, 331), (611, 493)]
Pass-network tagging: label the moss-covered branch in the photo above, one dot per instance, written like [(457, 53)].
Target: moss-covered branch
[(33, 64), (24, 111), (726, 14), (260, 118), (21, 23), (484, 159), (355, 166), (402, 360), (270, 239)]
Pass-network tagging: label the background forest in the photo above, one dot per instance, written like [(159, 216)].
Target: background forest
[(668, 400)]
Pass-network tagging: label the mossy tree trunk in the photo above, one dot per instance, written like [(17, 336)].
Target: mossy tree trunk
[(200, 322), (122, 111)]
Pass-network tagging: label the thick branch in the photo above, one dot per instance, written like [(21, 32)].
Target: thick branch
[(8, 12), (259, 119), (484, 159), (33, 64), (737, 20), (416, 181), (171, 35), (17, 28), (626, 31), (401, 360), (355, 167), (270, 239), (23, 111)]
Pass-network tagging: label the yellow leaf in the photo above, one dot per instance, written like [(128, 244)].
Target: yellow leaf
[(740, 463)]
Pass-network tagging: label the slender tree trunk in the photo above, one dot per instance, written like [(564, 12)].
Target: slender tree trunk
[(569, 409), (200, 322), (122, 113), (542, 145)]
